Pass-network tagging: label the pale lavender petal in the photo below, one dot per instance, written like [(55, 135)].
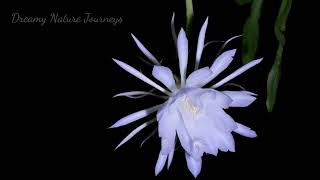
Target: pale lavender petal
[(182, 45), (221, 99), (237, 72), (134, 132), (199, 77), (222, 146), (167, 145), (229, 141), (145, 50), (167, 123), (240, 98), (225, 141), (184, 137), (135, 116), (222, 62), (250, 93), (194, 166), (170, 157), (198, 147), (212, 145), (222, 121), (200, 45), (160, 163), (141, 76), (245, 131), (165, 76)]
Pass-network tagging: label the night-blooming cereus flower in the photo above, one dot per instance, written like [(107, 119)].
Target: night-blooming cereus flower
[(191, 114)]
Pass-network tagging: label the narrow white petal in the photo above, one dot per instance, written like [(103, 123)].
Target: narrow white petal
[(200, 45), (229, 142), (167, 144), (222, 62), (170, 157), (141, 76), (135, 116), (245, 131), (199, 77), (223, 122), (182, 45), (173, 30), (134, 132), (194, 166), (138, 94), (237, 72), (184, 137), (222, 146), (250, 93), (222, 99), (225, 141), (167, 122), (160, 163), (165, 76), (240, 98), (145, 50)]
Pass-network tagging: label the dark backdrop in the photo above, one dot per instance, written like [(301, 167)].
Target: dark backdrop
[(64, 80)]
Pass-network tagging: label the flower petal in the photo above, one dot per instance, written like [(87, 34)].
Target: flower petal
[(200, 45), (222, 62), (237, 72), (224, 140), (134, 132), (245, 131), (199, 77), (229, 141), (145, 50), (165, 76), (212, 146), (135, 116), (221, 120), (221, 99), (167, 145), (240, 98), (141, 76), (170, 157), (194, 166), (182, 45), (184, 137), (168, 122), (160, 163)]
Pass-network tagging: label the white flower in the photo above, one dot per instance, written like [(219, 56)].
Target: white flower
[(192, 113)]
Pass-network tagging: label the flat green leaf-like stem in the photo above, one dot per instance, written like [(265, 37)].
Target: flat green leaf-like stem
[(250, 38), (275, 72)]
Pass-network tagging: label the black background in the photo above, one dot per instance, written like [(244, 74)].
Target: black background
[(63, 80)]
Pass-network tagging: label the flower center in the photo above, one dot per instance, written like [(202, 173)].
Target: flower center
[(188, 105)]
